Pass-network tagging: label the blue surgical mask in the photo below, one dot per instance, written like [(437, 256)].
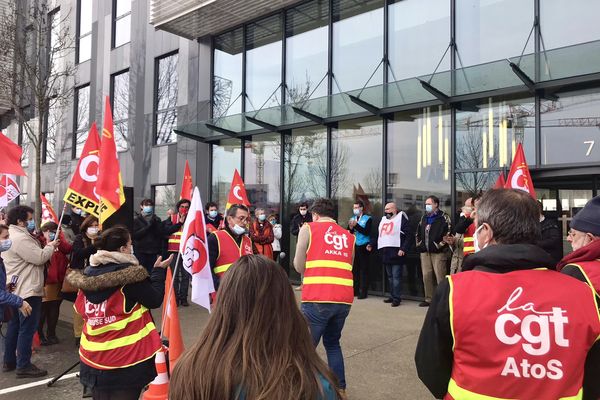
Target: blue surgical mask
[(213, 214), (428, 208), (5, 245), (30, 225), (273, 222), (239, 230), (52, 236), (262, 217), (356, 211), (148, 210)]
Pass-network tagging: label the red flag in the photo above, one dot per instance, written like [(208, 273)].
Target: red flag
[(10, 162), (519, 176), (171, 329), (186, 185), (48, 214), (194, 252), (110, 185), (82, 189), (9, 189), (237, 192), (501, 182)]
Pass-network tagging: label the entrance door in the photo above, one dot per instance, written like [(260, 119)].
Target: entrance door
[(562, 197)]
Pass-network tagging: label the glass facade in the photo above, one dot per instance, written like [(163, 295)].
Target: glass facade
[(165, 197), (119, 86), (262, 166), (226, 158), (167, 85), (121, 22), (82, 118), (84, 30), (227, 74)]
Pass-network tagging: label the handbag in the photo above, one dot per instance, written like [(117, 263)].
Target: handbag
[(66, 286)]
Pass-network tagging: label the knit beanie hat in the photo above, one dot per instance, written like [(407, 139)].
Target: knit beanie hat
[(588, 218)]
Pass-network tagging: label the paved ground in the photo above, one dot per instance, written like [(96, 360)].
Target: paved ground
[(378, 344)]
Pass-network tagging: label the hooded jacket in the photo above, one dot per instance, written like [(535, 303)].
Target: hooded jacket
[(434, 355), (108, 272)]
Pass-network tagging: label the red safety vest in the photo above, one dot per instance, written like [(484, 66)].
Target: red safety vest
[(175, 238), (469, 242), (112, 337), (520, 335), (328, 273), (229, 251), (591, 271)]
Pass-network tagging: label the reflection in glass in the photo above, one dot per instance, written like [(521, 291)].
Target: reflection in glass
[(82, 117), (415, 29), (565, 23), (52, 125), (120, 102), (122, 21), (488, 137), (357, 43), (489, 30), (226, 157), (574, 118), (166, 98), (306, 34), (468, 184), (84, 52), (165, 197), (263, 63), (262, 171), (227, 80)]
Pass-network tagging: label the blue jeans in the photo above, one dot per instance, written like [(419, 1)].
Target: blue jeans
[(19, 336), (394, 275), (327, 320)]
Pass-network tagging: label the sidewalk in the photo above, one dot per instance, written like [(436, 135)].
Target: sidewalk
[(378, 343)]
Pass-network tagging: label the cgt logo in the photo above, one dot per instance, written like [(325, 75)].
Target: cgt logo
[(338, 241)]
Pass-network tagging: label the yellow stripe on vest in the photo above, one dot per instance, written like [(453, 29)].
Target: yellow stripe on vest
[(459, 393), (117, 326), (328, 264), (324, 280), (222, 268), (116, 343)]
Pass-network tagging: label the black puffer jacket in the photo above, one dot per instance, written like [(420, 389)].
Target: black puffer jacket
[(147, 235), (551, 240)]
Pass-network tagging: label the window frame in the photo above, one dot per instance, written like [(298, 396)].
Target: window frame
[(111, 97), (155, 110), (78, 34), (75, 118), (114, 19)]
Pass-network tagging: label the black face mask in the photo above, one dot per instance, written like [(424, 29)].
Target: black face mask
[(389, 215)]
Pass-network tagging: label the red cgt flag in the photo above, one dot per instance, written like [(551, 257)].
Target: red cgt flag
[(109, 185), (82, 189), (519, 176), (501, 182), (10, 162), (186, 185), (48, 214), (237, 192)]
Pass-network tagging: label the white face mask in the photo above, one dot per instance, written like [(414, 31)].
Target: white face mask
[(476, 240), (92, 231), (238, 230), (303, 212)]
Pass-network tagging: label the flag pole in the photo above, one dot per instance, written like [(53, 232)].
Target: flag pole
[(168, 303), (62, 214)]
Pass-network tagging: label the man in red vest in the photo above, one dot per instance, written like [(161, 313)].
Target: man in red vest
[(510, 327), (584, 262), (225, 246), (173, 228), (324, 254)]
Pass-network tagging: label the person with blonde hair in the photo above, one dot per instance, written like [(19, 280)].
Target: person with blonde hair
[(256, 344)]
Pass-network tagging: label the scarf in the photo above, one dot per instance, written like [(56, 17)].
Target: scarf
[(586, 253)]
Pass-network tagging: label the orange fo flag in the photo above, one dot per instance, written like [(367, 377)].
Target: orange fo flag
[(81, 192), (237, 192), (48, 214), (171, 329), (186, 185), (110, 185), (501, 182), (519, 176)]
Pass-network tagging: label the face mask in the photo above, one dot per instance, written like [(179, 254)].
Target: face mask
[(52, 236), (476, 240), (238, 230), (262, 217), (428, 208), (389, 215), (183, 210), (213, 214), (303, 212), (5, 244), (148, 210), (77, 211), (30, 225), (83, 214), (356, 211), (92, 231), (273, 222)]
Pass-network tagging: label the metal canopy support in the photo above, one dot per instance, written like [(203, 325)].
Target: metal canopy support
[(189, 136), (522, 76), (262, 124), (223, 131), (314, 118), (435, 92), (367, 106)]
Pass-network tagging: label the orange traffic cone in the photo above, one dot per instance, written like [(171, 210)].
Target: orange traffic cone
[(159, 387), (171, 327)]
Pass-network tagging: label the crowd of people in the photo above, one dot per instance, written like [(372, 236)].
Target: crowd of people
[(499, 291)]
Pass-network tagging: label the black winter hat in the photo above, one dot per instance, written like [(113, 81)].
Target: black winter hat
[(588, 218)]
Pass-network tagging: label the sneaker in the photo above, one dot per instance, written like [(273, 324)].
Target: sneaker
[(395, 304), (388, 300), (31, 372), (362, 296), (7, 367), (343, 395), (87, 392), (424, 304), (53, 340), (44, 341)]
